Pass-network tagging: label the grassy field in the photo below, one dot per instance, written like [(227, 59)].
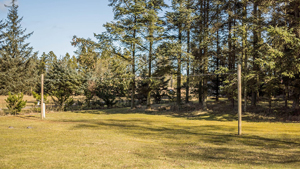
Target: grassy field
[(121, 138)]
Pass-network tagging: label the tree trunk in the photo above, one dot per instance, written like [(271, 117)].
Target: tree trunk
[(296, 101), (286, 92), (133, 70), (218, 56), (188, 60), (297, 32), (230, 61), (179, 70), (188, 69), (150, 62), (253, 100), (245, 53), (205, 60), (270, 103), (200, 57), (255, 54), (200, 92)]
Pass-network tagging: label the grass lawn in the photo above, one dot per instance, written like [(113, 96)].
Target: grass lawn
[(120, 138)]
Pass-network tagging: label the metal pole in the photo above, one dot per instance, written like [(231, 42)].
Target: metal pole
[(239, 100), (42, 96)]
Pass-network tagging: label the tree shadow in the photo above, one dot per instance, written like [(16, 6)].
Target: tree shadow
[(204, 142), (216, 111), (223, 111), (125, 110), (29, 117)]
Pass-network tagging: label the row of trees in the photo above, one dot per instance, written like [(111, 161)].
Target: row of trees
[(153, 40), (195, 37)]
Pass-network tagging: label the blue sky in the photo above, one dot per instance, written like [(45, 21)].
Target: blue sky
[(54, 22)]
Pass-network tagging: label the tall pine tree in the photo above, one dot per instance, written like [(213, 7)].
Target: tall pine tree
[(126, 29), (17, 69), (154, 30)]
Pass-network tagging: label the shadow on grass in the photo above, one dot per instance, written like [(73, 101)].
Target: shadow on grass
[(120, 111), (196, 142), (199, 142), (29, 117), (217, 111), (145, 126)]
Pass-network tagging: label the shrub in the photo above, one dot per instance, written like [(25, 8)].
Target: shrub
[(107, 92), (15, 102), (62, 99), (38, 97), (108, 89), (89, 92)]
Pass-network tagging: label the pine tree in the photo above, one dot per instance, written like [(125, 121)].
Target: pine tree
[(51, 59), (62, 82), (176, 20), (42, 64), (154, 30), (86, 54), (126, 29), (110, 80), (190, 18), (17, 71), (2, 37), (203, 42), (255, 53), (70, 61), (245, 49)]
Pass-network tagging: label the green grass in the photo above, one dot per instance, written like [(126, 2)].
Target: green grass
[(119, 138)]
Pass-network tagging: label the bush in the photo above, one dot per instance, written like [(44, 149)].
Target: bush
[(15, 103), (62, 99), (38, 97), (89, 92), (109, 89)]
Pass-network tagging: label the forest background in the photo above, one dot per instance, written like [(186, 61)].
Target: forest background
[(149, 44)]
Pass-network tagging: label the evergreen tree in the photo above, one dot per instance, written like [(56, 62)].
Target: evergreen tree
[(42, 64), (62, 82), (282, 50), (190, 17), (2, 37), (245, 49), (176, 20), (86, 54), (154, 30), (51, 59), (70, 61), (17, 71), (111, 80), (203, 23), (126, 29)]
